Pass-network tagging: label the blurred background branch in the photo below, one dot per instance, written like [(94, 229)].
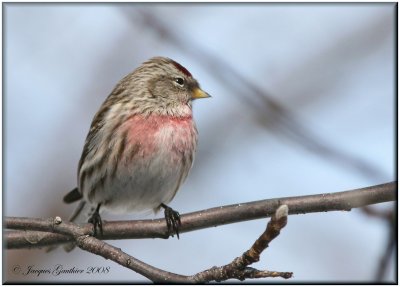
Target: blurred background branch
[(266, 109)]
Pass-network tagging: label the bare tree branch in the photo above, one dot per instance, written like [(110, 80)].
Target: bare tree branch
[(236, 269), (46, 230), (41, 232)]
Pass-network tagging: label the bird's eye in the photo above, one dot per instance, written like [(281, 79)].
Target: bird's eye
[(180, 81)]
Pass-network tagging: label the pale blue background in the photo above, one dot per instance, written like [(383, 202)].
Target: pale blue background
[(331, 65)]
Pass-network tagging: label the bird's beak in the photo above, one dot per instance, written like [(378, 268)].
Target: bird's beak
[(199, 94)]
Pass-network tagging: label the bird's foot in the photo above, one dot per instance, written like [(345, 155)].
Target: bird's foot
[(95, 219), (173, 220)]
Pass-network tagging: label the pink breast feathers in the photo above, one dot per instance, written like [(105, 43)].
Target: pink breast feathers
[(152, 133)]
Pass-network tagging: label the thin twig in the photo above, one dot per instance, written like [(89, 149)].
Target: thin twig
[(212, 217), (238, 268)]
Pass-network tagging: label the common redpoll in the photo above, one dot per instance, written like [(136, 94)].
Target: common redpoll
[(140, 146)]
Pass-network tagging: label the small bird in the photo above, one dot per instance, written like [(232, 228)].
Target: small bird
[(140, 146)]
